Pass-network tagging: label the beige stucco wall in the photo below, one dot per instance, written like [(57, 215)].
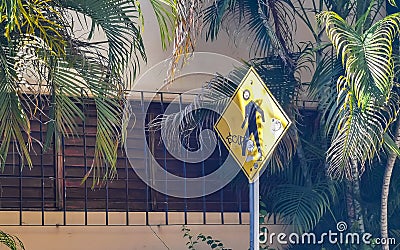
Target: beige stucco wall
[(127, 237), (123, 237), (116, 236)]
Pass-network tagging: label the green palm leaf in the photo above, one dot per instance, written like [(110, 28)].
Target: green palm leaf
[(323, 86), (367, 99), (367, 56), (165, 19), (302, 206), (87, 75), (39, 18), (10, 241), (64, 74), (14, 120), (267, 22), (118, 21), (392, 2), (358, 137)]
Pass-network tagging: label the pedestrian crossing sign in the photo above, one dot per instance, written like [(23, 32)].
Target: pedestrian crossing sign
[(252, 124)]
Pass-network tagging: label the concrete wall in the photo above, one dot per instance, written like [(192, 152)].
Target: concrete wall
[(116, 236), (123, 237)]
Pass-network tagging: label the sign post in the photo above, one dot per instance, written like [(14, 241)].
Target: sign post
[(251, 127), (254, 200)]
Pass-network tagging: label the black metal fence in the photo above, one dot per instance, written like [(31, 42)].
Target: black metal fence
[(54, 187), (54, 184)]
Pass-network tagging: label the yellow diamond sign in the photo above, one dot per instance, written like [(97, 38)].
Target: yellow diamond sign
[(252, 124)]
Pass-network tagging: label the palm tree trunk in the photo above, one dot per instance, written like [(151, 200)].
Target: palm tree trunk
[(357, 217), (350, 203), (385, 188)]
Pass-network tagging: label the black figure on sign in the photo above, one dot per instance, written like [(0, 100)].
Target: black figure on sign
[(251, 110)]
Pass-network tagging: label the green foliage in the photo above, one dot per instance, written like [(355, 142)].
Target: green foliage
[(10, 241), (191, 241), (302, 207), (367, 101), (367, 57), (36, 18), (165, 19), (44, 64), (118, 19), (270, 23), (209, 240), (213, 243)]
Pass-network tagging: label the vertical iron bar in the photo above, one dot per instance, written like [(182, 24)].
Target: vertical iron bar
[(20, 186), (41, 158), (63, 180), (126, 190), (107, 206), (165, 164), (222, 189), (85, 154), (203, 173), (126, 186), (107, 197), (146, 158), (55, 162), (222, 206), (240, 205), (184, 171)]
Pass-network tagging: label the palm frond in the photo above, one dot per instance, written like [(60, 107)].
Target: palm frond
[(65, 87), (323, 87), (118, 20), (188, 22), (302, 206), (392, 2), (367, 102), (165, 18), (108, 91), (359, 135), (63, 76), (15, 123), (10, 241), (39, 18), (342, 7), (367, 56), (267, 22)]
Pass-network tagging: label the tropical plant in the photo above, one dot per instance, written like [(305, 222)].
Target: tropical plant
[(270, 24), (209, 240), (370, 96), (302, 197), (10, 241), (51, 60)]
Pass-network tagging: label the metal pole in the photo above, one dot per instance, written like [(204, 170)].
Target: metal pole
[(254, 197)]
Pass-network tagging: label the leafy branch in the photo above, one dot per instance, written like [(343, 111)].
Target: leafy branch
[(213, 243)]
